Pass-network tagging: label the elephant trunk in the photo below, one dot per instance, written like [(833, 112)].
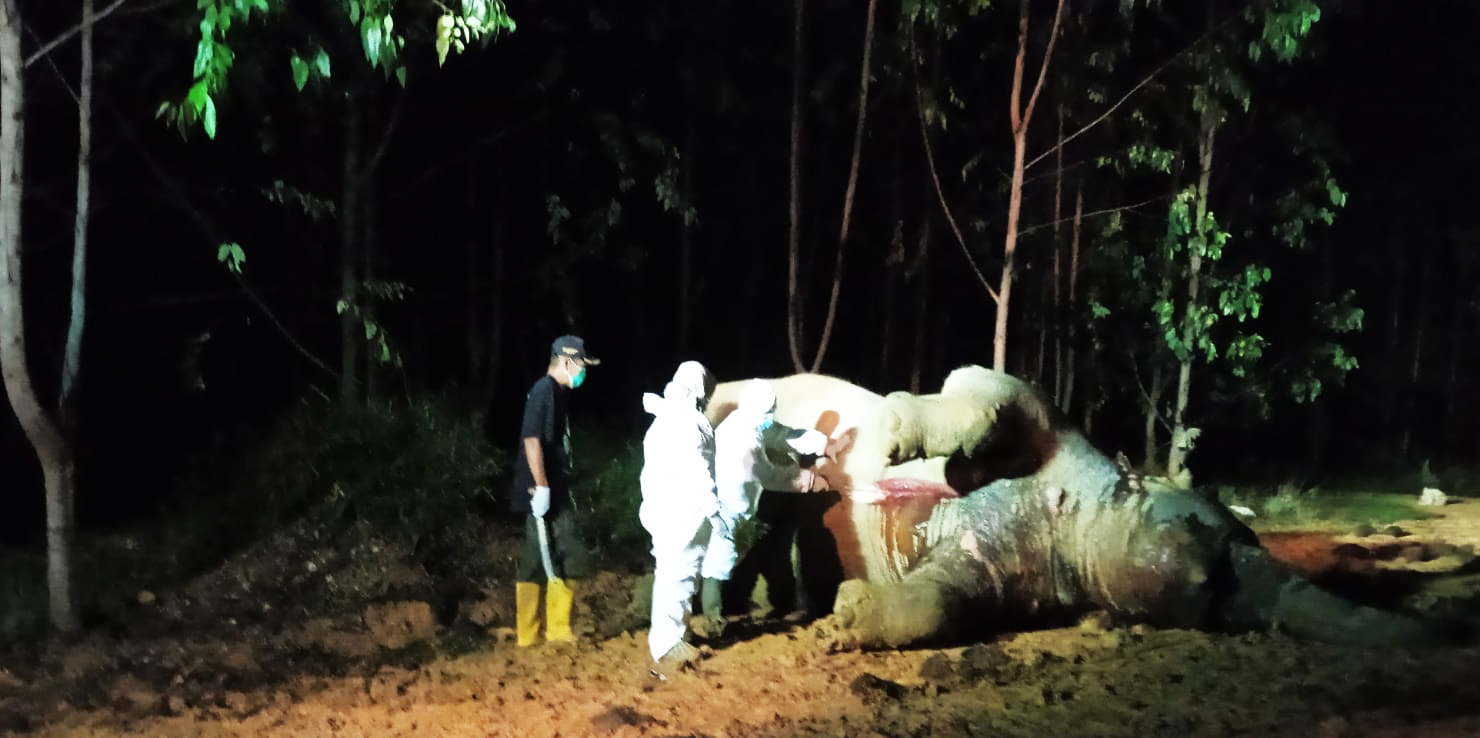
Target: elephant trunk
[(1267, 593)]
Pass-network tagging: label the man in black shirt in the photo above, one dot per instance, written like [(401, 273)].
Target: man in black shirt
[(552, 551)]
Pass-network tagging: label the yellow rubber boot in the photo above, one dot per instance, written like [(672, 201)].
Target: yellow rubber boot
[(558, 600), (527, 602)]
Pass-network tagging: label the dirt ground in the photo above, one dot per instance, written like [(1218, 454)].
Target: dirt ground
[(199, 663)]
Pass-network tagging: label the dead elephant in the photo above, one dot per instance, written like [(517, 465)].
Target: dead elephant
[(978, 509)]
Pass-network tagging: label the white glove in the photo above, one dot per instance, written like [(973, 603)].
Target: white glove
[(810, 443), (539, 502)]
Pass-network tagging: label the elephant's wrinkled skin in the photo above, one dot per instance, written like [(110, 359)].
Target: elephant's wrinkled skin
[(978, 509)]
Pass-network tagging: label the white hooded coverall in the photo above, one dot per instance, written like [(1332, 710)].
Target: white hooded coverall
[(679, 505), (743, 469)]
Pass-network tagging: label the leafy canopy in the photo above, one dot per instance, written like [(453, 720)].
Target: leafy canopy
[(373, 23)]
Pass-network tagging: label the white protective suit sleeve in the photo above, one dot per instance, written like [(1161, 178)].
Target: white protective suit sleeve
[(744, 464)]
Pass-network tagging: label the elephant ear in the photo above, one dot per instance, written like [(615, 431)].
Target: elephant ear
[(978, 414)]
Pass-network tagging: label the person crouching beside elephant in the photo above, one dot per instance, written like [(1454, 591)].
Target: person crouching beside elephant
[(752, 454)]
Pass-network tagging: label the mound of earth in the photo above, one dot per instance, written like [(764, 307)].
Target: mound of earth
[(234, 654)]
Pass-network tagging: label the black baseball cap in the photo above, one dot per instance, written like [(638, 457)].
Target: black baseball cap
[(573, 347)]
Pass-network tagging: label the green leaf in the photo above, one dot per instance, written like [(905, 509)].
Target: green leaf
[(300, 71), (401, 74), (208, 118), (321, 62), (205, 52), (354, 12), (197, 96), (232, 255), (372, 44)]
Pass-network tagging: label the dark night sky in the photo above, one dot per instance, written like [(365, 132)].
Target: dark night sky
[(481, 144)]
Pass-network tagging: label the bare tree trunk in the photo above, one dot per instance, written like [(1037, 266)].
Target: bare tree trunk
[(496, 286), (1045, 309), (1070, 358), (72, 360), (1415, 369), (349, 206), (1153, 416), (1177, 456), (473, 272), (893, 269), (686, 240), (848, 194), (1057, 308), (794, 305), (1021, 115), (1393, 388), (922, 316), (369, 235), (1319, 418), (52, 448), (1009, 253), (1458, 326)]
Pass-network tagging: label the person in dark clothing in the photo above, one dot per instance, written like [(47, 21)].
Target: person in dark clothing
[(552, 552)]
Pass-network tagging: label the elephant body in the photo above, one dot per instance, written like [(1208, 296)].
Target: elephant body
[(978, 509)]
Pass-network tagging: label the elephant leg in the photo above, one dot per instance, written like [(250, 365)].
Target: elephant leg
[(929, 605)]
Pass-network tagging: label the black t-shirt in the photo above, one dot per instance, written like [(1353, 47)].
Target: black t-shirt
[(544, 418)]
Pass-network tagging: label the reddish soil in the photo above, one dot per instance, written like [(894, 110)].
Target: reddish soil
[(198, 663)]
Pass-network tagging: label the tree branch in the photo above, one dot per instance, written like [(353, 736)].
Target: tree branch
[(935, 179), (851, 190), (1145, 395), (1053, 36), (67, 35), (1106, 211), (385, 135), (1014, 114), (1123, 98), (461, 156), (184, 203)]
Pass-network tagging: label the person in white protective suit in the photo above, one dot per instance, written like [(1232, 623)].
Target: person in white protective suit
[(679, 505), (752, 454)]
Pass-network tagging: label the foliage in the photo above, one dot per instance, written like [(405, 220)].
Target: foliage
[(1141, 297), (371, 22), (605, 483), (380, 342), (415, 472), (23, 598)]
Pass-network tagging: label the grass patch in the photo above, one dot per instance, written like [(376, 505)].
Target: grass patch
[(1288, 507)]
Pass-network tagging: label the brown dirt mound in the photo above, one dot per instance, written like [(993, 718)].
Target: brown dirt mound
[(192, 667)]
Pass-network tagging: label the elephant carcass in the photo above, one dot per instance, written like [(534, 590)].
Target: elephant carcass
[(979, 509)]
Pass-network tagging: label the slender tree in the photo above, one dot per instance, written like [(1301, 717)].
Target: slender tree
[(1020, 113), (52, 448)]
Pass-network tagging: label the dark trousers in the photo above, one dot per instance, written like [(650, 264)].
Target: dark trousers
[(568, 555), (811, 584)]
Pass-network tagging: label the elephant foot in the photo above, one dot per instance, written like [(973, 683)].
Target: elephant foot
[(873, 616)]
